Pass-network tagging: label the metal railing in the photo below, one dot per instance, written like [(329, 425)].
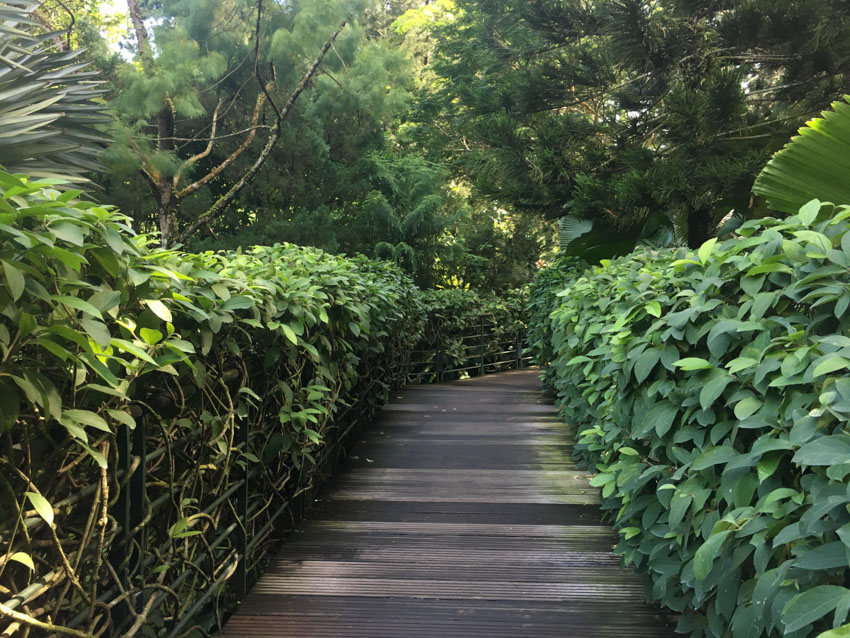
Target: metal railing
[(447, 353), (235, 549)]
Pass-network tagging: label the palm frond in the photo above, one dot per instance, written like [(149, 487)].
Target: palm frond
[(48, 112), (572, 228), (814, 165)]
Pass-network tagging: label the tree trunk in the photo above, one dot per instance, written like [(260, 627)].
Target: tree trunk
[(701, 226), (167, 211)]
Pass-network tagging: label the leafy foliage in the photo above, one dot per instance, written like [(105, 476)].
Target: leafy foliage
[(812, 164), (97, 330), (455, 319), (49, 110), (610, 110), (710, 393)]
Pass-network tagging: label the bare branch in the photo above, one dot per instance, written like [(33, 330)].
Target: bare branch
[(32, 622), (203, 153), (206, 179), (221, 204)]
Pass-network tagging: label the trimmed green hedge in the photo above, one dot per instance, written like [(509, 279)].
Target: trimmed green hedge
[(710, 392), (453, 318), (98, 330)]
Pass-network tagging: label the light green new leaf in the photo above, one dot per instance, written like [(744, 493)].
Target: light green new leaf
[(290, 334), (704, 251), (693, 363), (42, 507), (24, 559), (159, 309)]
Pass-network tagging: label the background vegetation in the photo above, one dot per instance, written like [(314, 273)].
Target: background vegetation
[(440, 139), (709, 392)]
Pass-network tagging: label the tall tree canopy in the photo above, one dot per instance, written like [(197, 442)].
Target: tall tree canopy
[(635, 114), (212, 87), (199, 107)]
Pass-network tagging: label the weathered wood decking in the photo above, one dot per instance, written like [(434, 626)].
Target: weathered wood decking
[(460, 514)]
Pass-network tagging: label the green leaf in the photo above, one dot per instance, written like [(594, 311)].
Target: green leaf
[(77, 304), (150, 337), (290, 334), (97, 331), (810, 606), (707, 552), (704, 251), (713, 456), (24, 559), (238, 303), (746, 407), (123, 418), (68, 232), (42, 507), (839, 632), (159, 309), (126, 346), (653, 308), (85, 417), (809, 212), (601, 479), (823, 557), (661, 417), (827, 450), (693, 363), (645, 363), (14, 279), (832, 364), (713, 388)]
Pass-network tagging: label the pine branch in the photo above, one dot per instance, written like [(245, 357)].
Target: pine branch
[(221, 204)]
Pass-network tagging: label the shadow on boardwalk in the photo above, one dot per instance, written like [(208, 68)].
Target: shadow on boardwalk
[(460, 514)]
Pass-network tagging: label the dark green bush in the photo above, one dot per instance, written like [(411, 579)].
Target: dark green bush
[(98, 331), (711, 393), (453, 322)]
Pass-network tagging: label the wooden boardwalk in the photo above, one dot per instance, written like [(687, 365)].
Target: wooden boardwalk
[(460, 514)]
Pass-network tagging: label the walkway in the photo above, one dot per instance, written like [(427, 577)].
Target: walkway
[(460, 515)]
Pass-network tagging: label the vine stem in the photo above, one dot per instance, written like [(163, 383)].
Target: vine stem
[(33, 622)]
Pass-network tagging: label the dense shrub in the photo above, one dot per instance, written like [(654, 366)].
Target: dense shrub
[(542, 298), (451, 341), (98, 331), (711, 393)]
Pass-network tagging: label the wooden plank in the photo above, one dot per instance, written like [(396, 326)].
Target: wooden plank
[(460, 513)]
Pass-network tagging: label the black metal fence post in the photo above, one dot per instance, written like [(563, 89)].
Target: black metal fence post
[(481, 343), (241, 575), (130, 510), (518, 349), (440, 362)]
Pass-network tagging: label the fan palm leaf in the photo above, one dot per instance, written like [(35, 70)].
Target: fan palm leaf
[(814, 165), (49, 115)]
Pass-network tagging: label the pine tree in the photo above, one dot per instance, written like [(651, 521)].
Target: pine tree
[(214, 75), (634, 114)]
